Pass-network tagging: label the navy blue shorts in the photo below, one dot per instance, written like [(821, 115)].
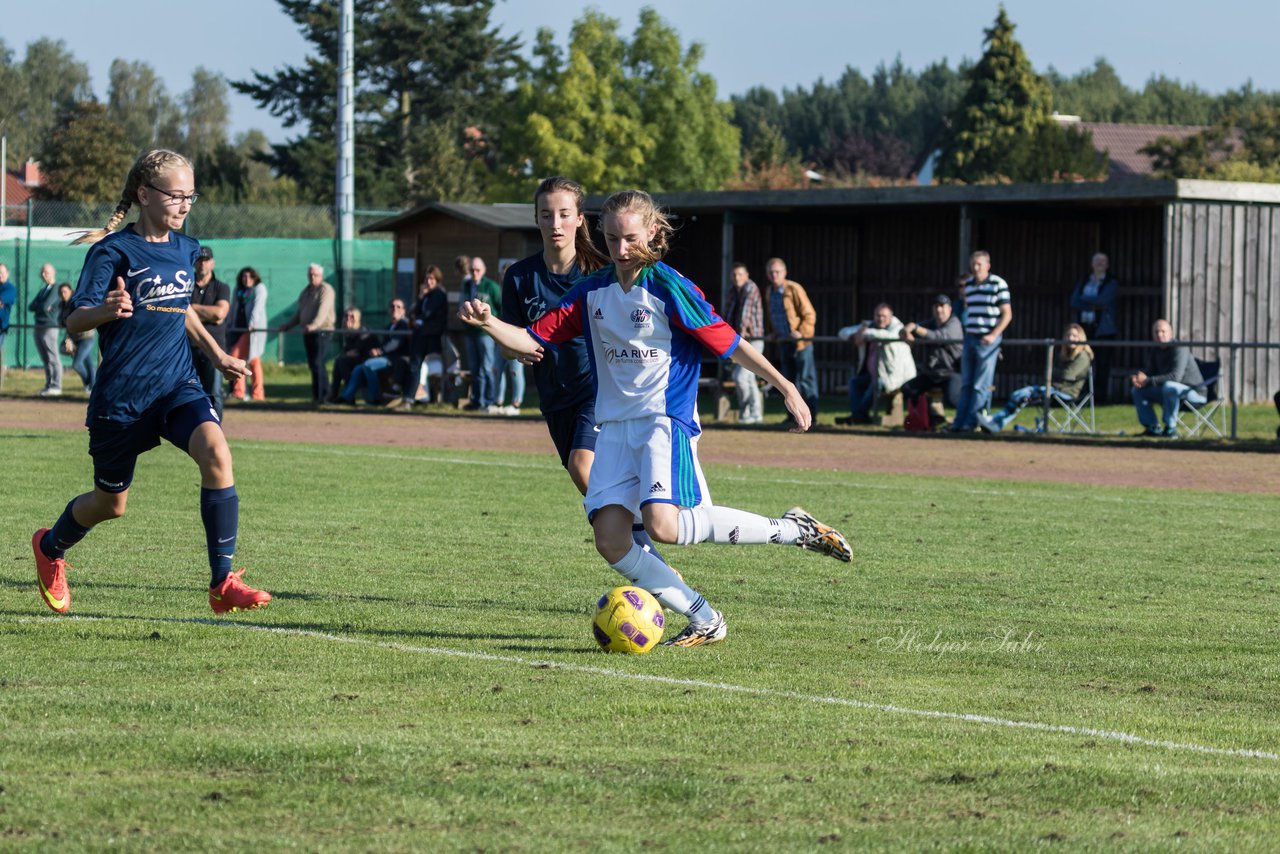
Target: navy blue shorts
[(573, 429), (116, 445)]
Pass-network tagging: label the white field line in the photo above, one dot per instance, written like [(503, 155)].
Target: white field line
[(767, 693), (1138, 496)]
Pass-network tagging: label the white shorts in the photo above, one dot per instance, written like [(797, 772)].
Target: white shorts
[(645, 460)]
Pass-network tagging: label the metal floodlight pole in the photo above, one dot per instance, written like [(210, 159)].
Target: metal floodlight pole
[(346, 179)]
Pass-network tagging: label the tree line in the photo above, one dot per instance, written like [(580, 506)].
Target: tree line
[(448, 107)]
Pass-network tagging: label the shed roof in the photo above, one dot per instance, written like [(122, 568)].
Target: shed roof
[(1149, 191), (502, 217)]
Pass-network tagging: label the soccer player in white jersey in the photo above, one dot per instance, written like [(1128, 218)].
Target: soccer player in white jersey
[(645, 326)]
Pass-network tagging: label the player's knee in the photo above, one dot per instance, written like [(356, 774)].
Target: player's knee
[(664, 530), (612, 547), (108, 505)]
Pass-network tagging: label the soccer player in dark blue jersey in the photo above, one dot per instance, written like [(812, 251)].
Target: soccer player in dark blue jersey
[(534, 286), (135, 289)]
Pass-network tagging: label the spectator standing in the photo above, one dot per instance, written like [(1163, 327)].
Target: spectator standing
[(428, 320), (1070, 370), (988, 313), (8, 296), (1094, 304), (79, 345), (793, 321), (1169, 376), (211, 301), (941, 361), (887, 363), (482, 356), (744, 311), (315, 315), (44, 316), (250, 302)]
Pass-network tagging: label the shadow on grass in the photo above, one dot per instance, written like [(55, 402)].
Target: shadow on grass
[(287, 595), (344, 631)]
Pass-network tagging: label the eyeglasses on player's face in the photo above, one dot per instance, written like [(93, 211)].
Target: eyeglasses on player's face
[(177, 198)]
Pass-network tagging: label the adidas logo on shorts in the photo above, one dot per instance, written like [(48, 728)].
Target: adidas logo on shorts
[(657, 487), (599, 315)]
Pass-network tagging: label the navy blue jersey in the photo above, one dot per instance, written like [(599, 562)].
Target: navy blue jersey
[(530, 290), (146, 356)]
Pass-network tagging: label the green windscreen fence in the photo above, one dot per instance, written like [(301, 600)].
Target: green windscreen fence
[(282, 264)]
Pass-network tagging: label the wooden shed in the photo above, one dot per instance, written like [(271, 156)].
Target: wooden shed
[(1204, 254), (438, 232)]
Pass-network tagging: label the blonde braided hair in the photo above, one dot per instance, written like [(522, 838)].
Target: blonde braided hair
[(145, 170)]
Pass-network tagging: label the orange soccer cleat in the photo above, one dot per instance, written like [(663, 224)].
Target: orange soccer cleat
[(234, 595), (52, 575)]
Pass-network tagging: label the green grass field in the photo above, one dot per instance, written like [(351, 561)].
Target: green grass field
[(426, 677)]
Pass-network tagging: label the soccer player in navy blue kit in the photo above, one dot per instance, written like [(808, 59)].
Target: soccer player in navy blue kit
[(135, 289), (645, 328)]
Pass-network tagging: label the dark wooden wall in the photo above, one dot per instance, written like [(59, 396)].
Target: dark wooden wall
[(850, 261)]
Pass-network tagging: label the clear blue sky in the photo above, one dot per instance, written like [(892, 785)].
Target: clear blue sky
[(792, 43)]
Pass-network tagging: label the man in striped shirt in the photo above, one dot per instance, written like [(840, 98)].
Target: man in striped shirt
[(744, 311), (986, 298)]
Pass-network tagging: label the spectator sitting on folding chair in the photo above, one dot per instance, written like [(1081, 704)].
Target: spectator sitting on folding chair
[(1070, 370), (1169, 377)]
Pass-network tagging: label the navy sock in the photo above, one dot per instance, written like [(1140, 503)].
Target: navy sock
[(64, 534), (220, 512)]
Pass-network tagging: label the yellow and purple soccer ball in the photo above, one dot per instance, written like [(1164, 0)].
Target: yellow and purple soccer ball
[(629, 620)]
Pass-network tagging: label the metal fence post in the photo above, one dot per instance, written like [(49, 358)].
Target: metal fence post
[(1048, 385), (1231, 386)]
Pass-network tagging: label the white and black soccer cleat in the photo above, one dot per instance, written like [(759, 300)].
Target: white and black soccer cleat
[(712, 632), (817, 537)]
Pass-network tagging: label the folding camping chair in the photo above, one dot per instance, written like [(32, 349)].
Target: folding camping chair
[(1073, 416), (1211, 415)]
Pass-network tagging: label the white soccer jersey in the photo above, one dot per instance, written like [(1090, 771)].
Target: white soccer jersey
[(645, 344)]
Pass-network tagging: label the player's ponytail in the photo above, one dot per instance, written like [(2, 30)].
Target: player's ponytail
[(588, 255), (640, 202), (146, 169)]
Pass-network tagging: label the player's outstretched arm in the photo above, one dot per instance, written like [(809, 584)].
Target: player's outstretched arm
[(753, 360), (230, 366), (514, 339)]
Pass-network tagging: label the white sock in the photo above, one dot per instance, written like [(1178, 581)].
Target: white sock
[(641, 538), (728, 526), (645, 569)]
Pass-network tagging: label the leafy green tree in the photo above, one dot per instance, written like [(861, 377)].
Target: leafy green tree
[(1095, 95), (1003, 129), (422, 70), (614, 113), (1236, 148), (885, 125), (1006, 103), (138, 100), (207, 111), (87, 156), (695, 144), (574, 115), (49, 79)]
